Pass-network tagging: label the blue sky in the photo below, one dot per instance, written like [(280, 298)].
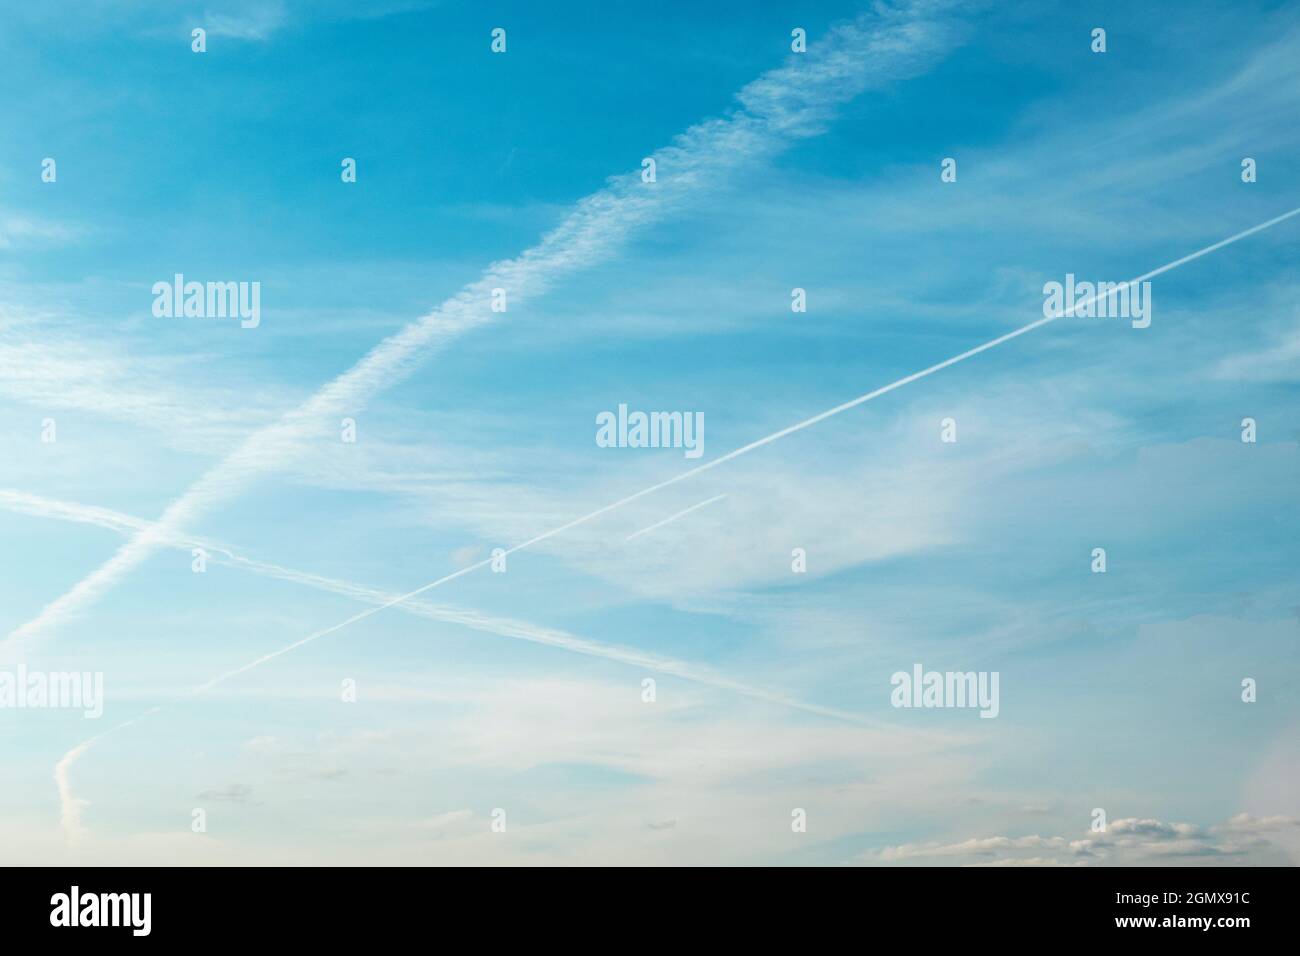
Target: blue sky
[(522, 690)]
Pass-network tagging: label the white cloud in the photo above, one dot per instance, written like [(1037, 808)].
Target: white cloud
[(1130, 841), (255, 22), (22, 231), (1279, 361)]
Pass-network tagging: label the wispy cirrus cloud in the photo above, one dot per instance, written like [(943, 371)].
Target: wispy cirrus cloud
[(248, 20), (255, 22), (971, 555), (23, 231), (727, 777)]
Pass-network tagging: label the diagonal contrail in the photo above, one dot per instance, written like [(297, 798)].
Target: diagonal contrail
[(671, 518), (782, 106), (466, 617)]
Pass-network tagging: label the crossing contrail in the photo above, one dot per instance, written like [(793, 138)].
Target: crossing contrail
[(447, 614), (782, 106), (71, 805)]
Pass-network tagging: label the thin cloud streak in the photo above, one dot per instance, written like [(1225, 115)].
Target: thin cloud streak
[(671, 518)]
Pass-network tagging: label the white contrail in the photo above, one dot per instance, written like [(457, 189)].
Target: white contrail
[(783, 105), (449, 614), (672, 518), (71, 805)]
